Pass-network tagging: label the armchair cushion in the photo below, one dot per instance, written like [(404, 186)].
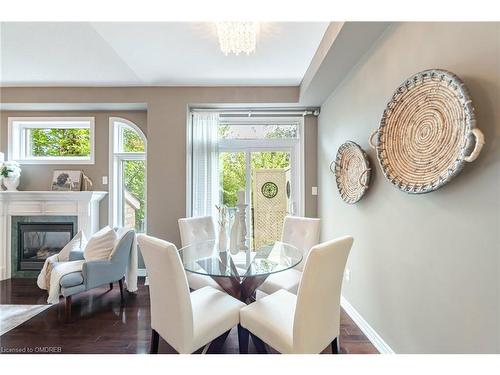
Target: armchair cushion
[(76, 254), (71, 279), (101, 244)]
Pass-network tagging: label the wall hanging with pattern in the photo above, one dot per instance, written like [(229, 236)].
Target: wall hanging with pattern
[(427, 132), (352, 172)]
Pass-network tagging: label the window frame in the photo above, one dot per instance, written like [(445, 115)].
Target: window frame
[(17, 141), (116, 159)]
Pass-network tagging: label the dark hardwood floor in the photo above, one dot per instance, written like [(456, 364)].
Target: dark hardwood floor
[(100, 324)]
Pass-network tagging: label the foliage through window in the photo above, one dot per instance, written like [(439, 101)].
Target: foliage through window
[(132, 142), (58, 142)]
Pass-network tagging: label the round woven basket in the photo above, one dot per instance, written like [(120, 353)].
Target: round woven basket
[(352, 172), (427, 132)]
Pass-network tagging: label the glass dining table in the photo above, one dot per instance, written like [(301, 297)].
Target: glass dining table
[(241, 273)]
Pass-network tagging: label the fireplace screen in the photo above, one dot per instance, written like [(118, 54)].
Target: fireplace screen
[(38, 241)]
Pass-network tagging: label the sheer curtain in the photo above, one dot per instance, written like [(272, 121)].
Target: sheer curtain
[(205, 163)]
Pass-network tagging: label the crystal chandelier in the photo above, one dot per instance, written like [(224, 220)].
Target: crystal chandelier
[(237, 37)]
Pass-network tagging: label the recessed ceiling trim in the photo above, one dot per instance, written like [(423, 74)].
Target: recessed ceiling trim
[(73, 106)]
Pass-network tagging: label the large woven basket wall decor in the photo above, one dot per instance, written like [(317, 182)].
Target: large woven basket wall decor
[(352, 172), (427, 132)]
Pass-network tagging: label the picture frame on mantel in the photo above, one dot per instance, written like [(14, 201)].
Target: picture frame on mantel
[(67, 180)]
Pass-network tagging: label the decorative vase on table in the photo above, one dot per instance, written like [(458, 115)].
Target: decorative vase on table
[(10, 173), (222, 239), (222, 221), (234, 236)]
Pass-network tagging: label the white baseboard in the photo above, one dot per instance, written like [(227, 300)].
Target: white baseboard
[(141, 272), (369, 332)]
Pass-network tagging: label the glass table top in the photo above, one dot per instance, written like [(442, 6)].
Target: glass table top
[(205, 258)]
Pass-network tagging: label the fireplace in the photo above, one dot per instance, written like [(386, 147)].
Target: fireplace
[(36, 241)]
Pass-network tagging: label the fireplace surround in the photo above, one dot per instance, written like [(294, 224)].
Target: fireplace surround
[(34, 238), (78, 207)]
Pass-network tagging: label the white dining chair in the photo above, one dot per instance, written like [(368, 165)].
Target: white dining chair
[(186, 321), (303, 233), (198, 229), (309, 321)]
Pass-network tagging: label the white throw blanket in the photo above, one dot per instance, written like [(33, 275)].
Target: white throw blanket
[(131, 274), (54, 275), (50, 276)]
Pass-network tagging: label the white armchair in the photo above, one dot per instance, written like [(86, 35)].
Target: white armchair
[(187, 321), (309, 321), (198, 229), (303, 233)]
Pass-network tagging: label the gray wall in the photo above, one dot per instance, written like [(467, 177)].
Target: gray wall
[(167, 109), (424, 268), (39, 176)]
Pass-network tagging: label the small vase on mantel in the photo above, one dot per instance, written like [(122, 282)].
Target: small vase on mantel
[(10, 172), (11, 183)]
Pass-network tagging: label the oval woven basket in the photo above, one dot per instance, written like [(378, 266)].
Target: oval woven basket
[(352, 171), (427, 132)]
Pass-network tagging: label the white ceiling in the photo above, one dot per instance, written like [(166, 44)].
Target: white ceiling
[(165, 53)]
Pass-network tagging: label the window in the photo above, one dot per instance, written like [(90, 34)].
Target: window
[(51, 140), (261, 156), (128, 175)]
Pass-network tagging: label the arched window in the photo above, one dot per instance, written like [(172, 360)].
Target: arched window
[(127, 190)]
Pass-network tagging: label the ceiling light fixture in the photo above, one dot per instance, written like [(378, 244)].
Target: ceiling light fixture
[(237, 37)]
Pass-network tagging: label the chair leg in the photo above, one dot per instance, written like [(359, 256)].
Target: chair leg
[(67, 309), (216, 345), (259, 344), (110, 286), (243, 336), (120, 282), (155, 340), (335, 346)]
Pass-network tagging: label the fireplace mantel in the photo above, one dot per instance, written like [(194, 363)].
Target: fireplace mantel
[(78, 196), (83, 204)]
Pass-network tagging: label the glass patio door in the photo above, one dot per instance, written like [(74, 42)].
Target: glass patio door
[(266, 175)]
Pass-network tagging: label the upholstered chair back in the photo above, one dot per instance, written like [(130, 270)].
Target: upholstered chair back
[(171, 310), (317, 313), (196, 229), (121, 253), (301, 232), (120, 257)]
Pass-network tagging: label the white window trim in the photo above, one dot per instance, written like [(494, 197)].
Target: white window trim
[(16, 146), (115, 213), (295, 146)]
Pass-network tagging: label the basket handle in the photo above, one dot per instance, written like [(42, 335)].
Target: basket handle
[(370, 140), (361, 177), (479, 137), (331, 170)]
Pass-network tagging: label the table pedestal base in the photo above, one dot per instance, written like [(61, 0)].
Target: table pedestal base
[(240, 288)]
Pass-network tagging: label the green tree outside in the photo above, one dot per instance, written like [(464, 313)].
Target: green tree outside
[(135, 174), (60, 142)]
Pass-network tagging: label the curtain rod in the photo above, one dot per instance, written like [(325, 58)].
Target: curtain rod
[(259, 112)]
